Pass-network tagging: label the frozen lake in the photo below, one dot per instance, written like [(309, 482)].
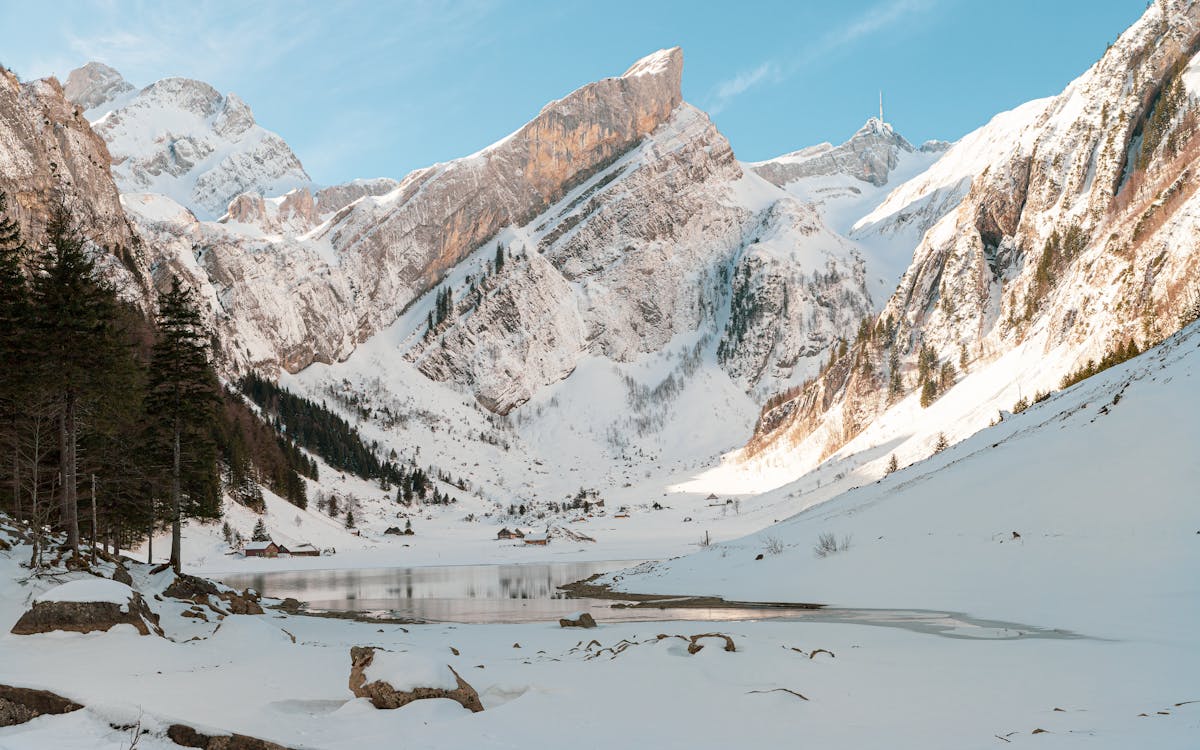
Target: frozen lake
[(529, 592)]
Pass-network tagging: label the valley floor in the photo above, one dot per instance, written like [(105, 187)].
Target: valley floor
[(1076, 520)]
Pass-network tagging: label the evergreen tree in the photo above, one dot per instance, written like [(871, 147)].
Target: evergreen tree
[(942, 443), (349, 518), (182, 400), (499, 257), (73, 313), (893, 465), (14, 322), (260, 532)]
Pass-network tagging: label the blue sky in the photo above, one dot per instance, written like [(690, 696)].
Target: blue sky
[(363, 89)]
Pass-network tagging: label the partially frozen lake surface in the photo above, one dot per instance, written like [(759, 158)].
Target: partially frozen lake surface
[(529, 592)]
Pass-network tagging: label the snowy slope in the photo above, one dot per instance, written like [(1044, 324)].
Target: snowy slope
[(1098, 482)]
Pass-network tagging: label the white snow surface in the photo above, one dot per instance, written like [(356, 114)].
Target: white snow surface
[(89, 590), (1088, 637), (407, 671)]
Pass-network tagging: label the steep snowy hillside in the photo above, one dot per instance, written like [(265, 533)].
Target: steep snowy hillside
[(1079, 513), (182, 139), (1062, 231)]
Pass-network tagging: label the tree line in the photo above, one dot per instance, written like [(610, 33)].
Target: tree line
[(113, 422)]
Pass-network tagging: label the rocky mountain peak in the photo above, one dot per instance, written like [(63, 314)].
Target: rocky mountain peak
[(869, 155), (666, 63), (94, 85)]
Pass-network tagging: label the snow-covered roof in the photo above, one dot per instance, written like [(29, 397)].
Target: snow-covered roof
[(536, 537), (257, 545)]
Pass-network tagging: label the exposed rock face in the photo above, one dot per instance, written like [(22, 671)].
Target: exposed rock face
[(47, 148), (95, 85), (791, 300), (383, 695), (85, 617), (336, 197), (870, 155), (1041, 239), (18, 705), (181, 138)]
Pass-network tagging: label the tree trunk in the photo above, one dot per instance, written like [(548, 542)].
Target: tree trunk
[(150, 545), (176, 507), (16, 471), (66, 443), (95, 531)]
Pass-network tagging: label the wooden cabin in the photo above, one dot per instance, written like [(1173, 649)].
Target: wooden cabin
[(261, 549), (505, 534), (306, 550), (540, 540)]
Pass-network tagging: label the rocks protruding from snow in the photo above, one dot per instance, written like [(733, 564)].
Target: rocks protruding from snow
[(580, 620), (87, 605), (18, 705), (393, 680), (206, 593), (870, 155), (95, 85), (186, 736)]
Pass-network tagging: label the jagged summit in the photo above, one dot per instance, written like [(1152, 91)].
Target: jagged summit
[(664, 61), (869, 155), (181, 138), (95, 85)]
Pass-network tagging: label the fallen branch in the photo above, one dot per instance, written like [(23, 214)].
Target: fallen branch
[(779, 690)]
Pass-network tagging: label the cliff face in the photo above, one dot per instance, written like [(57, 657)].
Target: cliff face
[(1074, 233), (47, 149)]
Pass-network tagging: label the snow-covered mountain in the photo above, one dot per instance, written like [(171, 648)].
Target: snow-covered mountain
[(1053, 235), (181, 138), (626, 221)]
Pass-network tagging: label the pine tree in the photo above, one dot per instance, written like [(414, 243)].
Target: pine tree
[(73, 313), (349, 518), (260, 532), (499, 257), (942, 443), (14, 323), (182, 400), (893, 465)]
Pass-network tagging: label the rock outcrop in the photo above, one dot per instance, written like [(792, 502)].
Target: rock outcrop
[(18, 705), (205, 593), (582, 620), (383, 694), (65, 609)]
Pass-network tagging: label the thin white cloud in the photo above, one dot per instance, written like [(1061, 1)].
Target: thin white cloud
[(872, 21), (741, 83)]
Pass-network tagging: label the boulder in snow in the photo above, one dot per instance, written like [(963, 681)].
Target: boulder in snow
[(86, 605), (18, 705), (581, 620), (393, 680)]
